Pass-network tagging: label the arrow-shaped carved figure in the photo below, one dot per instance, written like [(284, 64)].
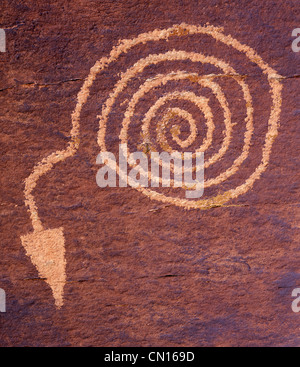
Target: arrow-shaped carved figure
[(46, 247)]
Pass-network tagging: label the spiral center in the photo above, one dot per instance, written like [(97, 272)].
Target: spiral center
[(176, 129)]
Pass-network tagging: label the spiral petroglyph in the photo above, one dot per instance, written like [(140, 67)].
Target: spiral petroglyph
[(206, 81), (160, 126)]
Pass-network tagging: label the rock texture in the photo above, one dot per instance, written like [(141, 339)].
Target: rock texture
[(141, 272)]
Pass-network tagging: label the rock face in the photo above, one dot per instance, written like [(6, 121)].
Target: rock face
[(84, 266)]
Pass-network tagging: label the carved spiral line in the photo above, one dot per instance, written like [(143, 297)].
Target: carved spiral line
[(205, 81)]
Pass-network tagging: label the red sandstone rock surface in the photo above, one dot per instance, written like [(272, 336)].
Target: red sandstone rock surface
[(139, 272)]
